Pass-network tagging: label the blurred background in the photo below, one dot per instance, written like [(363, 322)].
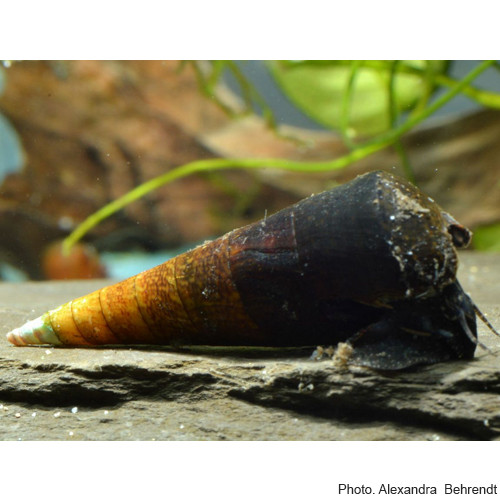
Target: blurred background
[(75, 135)]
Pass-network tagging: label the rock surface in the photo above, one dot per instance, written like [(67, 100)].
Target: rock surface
[(216, 394)]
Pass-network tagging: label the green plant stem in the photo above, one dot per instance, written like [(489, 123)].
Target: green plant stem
[(345, 113), (252, 95), (206, 87), (209, 165), (393, 114), (405, 161), (483, 97), (429, 84), (394, 134), (244, 84)]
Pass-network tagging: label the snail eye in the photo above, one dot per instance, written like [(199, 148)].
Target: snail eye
[(460, 235)]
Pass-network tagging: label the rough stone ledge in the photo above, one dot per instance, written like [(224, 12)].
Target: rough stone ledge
[(142, 393)]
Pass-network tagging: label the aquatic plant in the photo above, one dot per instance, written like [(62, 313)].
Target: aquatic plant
[(421, 108)]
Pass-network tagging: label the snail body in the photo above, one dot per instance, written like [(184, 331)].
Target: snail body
[(372, 262)]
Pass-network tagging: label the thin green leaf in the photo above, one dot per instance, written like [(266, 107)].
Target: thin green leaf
[(428, 83), (483, 97), (345, 114), (207, 90), (209, 165), (392, 104), (405, 161)]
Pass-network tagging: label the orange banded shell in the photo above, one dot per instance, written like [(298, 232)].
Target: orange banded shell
[(373, 259)]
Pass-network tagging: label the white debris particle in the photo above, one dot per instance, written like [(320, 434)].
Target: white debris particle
[(70, 433), (1, 406), (33, 414), (17, 415), (57, 414), (310, 387), (65, 223), (74, 409), (181, 426), (48, 351), (106, 412)]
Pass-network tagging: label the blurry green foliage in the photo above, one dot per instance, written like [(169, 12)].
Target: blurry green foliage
[(356, 99), (381, 100), (487, 238), (354, 96)]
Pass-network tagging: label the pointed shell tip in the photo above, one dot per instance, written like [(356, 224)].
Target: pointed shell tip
[(14, 338), (36, 331)]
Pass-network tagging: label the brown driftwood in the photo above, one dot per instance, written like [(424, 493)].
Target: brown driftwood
[(91, 131)]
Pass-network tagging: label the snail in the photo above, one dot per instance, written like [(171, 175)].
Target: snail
[(371, 264)]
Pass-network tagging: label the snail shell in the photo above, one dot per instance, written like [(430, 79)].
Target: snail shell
[(372, 262)]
